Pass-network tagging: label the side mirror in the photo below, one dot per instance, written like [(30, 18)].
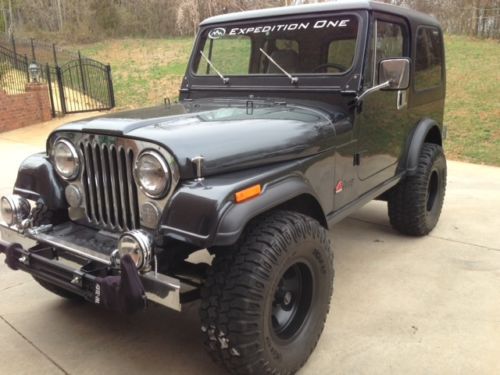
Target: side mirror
[(396, 72), (393, 74)]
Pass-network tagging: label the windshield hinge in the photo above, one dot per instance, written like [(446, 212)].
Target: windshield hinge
[(249, 107), (352, 84)]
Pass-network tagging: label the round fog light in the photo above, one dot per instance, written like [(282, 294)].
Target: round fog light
[(14, 209), (73, 196), (150, 215), (138, 244)]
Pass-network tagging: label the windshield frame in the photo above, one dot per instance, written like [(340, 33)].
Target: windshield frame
[(265, 80)]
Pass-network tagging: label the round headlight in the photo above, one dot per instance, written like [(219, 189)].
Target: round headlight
[(14, 209), (152, 174), (137, 244), (66, 159)]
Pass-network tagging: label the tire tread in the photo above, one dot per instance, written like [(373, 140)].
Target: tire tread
[(407, 202), (233, 292)]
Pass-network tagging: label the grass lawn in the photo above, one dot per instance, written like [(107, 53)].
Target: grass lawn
[(147, 70), (473, 100)]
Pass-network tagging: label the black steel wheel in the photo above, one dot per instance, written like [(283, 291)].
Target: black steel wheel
[(265, 302), (292, 300), (415, 204)]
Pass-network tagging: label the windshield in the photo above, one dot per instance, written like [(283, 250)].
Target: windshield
[(324, 45)]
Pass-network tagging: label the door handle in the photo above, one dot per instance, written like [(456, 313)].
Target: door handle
[(401, 99)]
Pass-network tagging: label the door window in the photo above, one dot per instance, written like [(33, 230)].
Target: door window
[(389, 41)]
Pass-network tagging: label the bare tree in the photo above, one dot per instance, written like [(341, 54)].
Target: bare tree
[(98, 19), (188, 16), (10, 27), (60, 15)]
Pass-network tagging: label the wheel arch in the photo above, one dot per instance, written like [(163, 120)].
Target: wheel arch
[(292, 194), (426, 131), (305, 204)]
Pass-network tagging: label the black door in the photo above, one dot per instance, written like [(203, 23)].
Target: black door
[(382, 123)]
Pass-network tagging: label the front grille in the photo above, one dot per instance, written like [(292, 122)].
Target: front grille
[(111, 199)]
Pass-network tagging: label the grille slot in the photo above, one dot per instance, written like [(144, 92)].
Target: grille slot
[(111, 199)]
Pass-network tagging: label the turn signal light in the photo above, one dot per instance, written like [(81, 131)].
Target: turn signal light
[(248, 193)]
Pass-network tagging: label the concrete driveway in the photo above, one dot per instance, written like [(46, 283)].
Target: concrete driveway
[(401, 305)]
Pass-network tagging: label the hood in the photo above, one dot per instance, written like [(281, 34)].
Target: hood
[(229, 134)]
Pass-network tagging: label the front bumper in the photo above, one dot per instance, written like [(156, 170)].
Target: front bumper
[(81, 270)]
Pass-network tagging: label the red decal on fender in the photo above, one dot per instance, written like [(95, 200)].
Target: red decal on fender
[(339, 187)]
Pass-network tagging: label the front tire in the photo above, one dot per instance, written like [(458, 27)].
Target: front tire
[(415, 203), (265, 303)]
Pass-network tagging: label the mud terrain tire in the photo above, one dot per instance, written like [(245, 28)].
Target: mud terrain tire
[(265, 302), (415, 203)]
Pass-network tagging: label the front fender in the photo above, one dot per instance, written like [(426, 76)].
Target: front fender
[(37, 179), (206, 214), (238, 215)]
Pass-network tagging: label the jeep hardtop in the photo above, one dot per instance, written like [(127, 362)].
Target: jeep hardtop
[(288, 120)]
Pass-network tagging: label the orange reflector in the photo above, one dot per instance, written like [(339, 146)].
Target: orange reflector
[(248, 193)]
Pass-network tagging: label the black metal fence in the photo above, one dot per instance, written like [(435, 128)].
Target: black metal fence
[(81, 85), (76, 83), (35, 50), (13, 72)]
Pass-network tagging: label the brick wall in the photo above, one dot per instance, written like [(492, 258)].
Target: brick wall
[(25, 109)]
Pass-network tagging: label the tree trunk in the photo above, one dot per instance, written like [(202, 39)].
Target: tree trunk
[(475, 18), (10, 28), (5, 20), (60, 15)]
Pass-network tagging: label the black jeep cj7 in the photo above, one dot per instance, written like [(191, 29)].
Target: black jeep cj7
[(289, 119)]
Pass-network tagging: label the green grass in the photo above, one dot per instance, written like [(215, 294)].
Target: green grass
[(230, 56), (473, 100), (147, 70)]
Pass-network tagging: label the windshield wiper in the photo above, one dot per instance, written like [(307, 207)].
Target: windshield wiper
[(292, 78), (224, 79)]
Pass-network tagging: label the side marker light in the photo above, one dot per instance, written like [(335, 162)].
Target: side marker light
[(248, 193)]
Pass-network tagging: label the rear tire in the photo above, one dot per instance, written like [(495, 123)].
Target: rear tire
[(58, 291), (415, 203), (265, 302)]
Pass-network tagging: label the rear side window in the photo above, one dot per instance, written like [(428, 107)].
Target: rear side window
[(428, 64)]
